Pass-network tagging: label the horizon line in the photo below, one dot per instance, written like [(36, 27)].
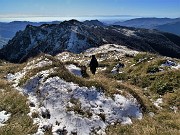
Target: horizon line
[(30, 16)]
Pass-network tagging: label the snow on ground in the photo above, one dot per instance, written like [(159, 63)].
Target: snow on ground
[(119, 49), (176, 67), (129, 33), (15, 77), (158, 102), (64, 56), (67, 56), (76, 44), (101, 68), (171, 64), (53, 98), (174, 108), (30, 65), (55, 101), (71, 44), (68, 108), (35, 64), (4, 116), (107, 51), (74, 69), (117, 68)]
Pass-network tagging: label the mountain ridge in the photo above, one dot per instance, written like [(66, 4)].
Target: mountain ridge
[(161, 24), (76, 37), (170, 27), (146, 22)]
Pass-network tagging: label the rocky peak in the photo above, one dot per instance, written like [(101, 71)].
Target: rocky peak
[(70, 35), (71, 22)]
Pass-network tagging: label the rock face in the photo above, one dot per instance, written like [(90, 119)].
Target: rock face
[(76, 37), (71, 35)]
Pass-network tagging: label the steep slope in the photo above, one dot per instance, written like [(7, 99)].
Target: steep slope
[(8, 30), (76, 37), (69, 35), (173, 38)]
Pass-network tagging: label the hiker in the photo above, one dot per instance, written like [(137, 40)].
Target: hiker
[(93, 64)]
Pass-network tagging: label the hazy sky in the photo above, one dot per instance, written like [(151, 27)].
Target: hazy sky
[(65, 8)]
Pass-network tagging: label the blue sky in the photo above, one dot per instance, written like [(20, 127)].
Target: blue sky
[(66, 8)]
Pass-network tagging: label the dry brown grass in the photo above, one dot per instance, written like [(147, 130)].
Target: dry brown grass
[(19, 123), (113, 86), (15, 103), (163, 123)]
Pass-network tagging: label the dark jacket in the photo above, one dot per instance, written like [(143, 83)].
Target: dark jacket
[(93, 64)]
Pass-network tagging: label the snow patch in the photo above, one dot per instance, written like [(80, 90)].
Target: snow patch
[(71, 44), (64, 56), (129, 33), (176, 67), (68, 108), (56, 96), (31, 65), (158, 102), (171, 64), (121, 50), (174, 108), (74, 44), (74, 69), (38, 63), (4, 116), (115, 69), (67, 56)]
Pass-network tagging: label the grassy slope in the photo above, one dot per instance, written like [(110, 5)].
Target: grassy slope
[(15, 103), (151, 86), (133, 80)]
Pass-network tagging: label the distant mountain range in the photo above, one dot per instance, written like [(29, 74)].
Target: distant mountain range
[(76, 37), (8, 30), (170, 27), (162, 24)]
